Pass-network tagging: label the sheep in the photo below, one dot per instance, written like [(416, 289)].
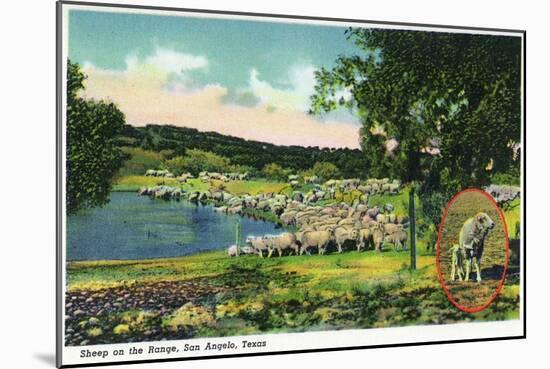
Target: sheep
[(343, 234), (390, 228), (259, 244), (317, 239), (281, 243), (378, 237), (364, 238), (233, 250), (398, 238)]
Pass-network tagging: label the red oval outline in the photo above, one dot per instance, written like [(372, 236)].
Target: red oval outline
[(438, 250)]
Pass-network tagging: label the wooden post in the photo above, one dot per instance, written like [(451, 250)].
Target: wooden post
[(238, 234), (412, 217)]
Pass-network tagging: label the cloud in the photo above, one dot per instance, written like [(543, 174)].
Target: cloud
[(301, 81), (172, 61), (147, 92)]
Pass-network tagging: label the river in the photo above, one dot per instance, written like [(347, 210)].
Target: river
[(137, 227)]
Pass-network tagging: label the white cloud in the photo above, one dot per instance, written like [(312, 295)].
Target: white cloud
[(301, 80), (173, 61), (163, 62)]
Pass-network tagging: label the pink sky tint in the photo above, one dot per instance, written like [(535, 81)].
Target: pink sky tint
[(141, 95)]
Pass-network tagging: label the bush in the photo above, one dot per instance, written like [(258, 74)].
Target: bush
[(139, 160), (196, 161), (326, 171), (276, 172)]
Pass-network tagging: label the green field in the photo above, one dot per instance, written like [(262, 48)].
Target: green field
[(210, 294), (134, 183)]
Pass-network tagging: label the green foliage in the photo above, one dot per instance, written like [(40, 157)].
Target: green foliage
[(509, 179), (92, 156), (138, 160), (326, 171), (457, 93), (251, 156), (275, 171), (196, 161), (247, 295)]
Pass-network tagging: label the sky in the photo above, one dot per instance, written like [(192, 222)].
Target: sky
[(250, 79)]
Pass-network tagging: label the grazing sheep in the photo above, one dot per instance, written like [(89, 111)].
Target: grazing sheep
[(259, 244), (398, 238), (364, 238), (281, 243), (378, 238), (373, 212), (343, 234), (316, 239), (247, 250), (346, 222), (144, 191), (233, 250), (381, 218), (288, 217), (402, 219), (390, 228)]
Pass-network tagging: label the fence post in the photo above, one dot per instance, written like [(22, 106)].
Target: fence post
[(238, 234), (412, 217)]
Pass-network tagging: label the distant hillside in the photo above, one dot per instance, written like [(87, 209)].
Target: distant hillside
[(351, 162)]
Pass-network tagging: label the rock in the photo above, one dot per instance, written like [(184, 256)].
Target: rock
[(78, 312), (93, 321)]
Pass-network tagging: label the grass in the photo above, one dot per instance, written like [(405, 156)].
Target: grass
[(254, 187), (399, 201), (512, 216), (133, 183), (249, 295)]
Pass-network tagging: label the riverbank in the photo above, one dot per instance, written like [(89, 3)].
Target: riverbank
[(210, 294)]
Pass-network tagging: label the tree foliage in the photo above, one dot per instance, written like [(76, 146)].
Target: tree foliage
[(326, 171), (436, 108), (195, 161), (275, 171), (92, 156), (247, 153)]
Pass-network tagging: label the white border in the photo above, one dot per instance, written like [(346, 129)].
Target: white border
[(278, 342)]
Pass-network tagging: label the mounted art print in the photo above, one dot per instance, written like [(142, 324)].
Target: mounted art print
[(235, 184)]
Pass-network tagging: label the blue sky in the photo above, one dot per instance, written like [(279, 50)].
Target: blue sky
[(262, 66)]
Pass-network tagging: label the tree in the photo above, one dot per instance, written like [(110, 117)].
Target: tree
[(436, 108), (326, 171), (275, 171), (92, 156), (196, 161)]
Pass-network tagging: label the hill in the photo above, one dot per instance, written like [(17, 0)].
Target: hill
[(351, 162)]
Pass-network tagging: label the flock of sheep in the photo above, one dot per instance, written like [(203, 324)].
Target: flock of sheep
[(322, 222), (337, 226), (502, 194)]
